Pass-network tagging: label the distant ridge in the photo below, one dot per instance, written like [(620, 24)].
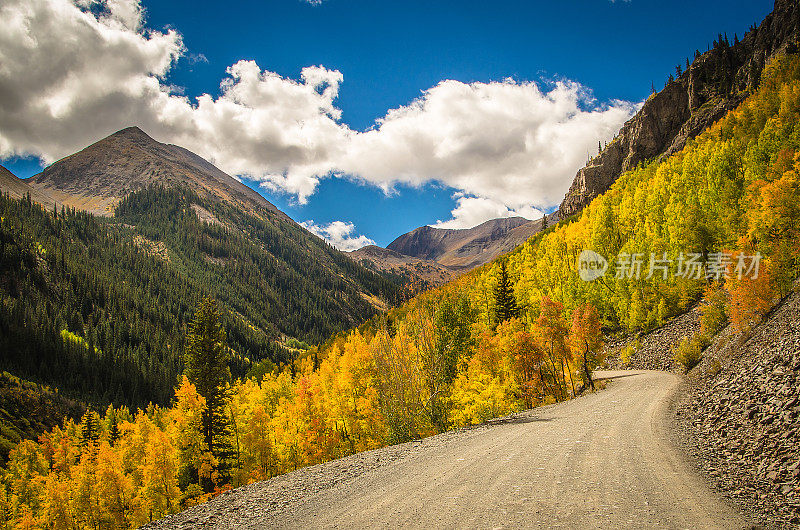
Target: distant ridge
[(419, 271), (464, 249)]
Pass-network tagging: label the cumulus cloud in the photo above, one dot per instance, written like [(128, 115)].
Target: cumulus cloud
[(73, 72), (505, 141), (69, 76), (472, 211), (339, 234)]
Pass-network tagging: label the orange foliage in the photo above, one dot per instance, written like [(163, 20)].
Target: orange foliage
[(750, 298)]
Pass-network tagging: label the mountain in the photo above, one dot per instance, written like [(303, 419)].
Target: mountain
[(716, 82), (17, 188), (464, 249), (421, 272), (98, 306), (97, 178)]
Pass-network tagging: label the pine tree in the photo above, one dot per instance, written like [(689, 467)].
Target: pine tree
[(90, 429), (505, 303), (112, 425), (207, 358), (544, 221)]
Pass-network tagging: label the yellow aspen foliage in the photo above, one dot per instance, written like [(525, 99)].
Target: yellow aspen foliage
[(85, 488), (59, 510), (478, 396), (159, 493), (186, 422), (26, 470), (115, 489)]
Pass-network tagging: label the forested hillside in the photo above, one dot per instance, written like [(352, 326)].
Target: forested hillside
[(732, 189), (99, 308), (519, 332)]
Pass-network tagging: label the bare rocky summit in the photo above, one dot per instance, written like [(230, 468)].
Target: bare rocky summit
[(98, 177)]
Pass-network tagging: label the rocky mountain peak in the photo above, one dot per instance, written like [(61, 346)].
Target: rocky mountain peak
[(96, 178)]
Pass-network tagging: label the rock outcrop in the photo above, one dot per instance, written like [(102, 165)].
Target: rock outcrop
[(715, 83)]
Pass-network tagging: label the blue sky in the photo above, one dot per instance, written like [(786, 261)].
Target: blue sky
[(388, 55)]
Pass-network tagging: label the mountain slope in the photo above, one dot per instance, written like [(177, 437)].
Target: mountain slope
[(98, 177), (467, 248), (716, 82), (17, 188), (415, 270), (97, 306)]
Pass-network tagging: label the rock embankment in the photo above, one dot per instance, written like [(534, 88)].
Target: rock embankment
[(653, 350), (741, 416)]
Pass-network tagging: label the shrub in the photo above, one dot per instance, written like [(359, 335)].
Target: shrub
[(628, 352), (751, 299), (688, 353), (713, 316)]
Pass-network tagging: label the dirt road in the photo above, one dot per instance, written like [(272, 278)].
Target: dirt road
[(600, 461)]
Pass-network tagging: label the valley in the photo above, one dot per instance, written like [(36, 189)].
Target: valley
[(177, 352)]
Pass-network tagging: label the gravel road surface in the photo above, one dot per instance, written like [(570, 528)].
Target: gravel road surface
[(604, 460)]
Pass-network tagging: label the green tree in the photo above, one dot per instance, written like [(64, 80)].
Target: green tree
[(207, 358), (112, 425), (505, 305), (90, 429)]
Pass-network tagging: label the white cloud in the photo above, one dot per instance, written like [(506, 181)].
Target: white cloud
[(339, 234), (69, 77), (505, 141), (195, 58), (472, 211)]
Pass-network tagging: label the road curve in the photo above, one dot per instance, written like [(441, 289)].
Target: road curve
[(603, 460)]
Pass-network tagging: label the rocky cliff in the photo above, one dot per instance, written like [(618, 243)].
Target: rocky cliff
[(716, 82)]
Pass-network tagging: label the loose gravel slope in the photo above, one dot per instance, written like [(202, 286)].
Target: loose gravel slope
[(604, 460)]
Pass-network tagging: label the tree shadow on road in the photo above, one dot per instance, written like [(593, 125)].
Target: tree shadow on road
[(516, 420), (612, 377)]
